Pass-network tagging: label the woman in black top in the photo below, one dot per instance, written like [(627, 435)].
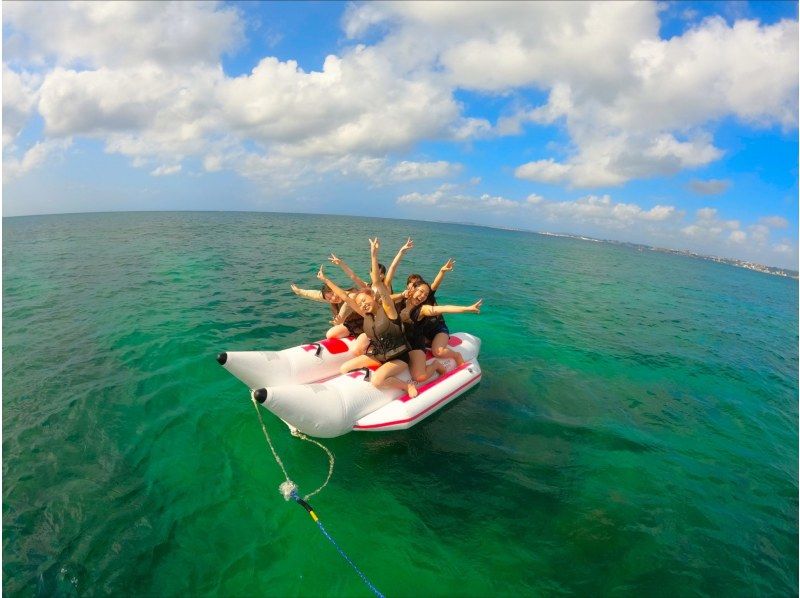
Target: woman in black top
[(424, 326)]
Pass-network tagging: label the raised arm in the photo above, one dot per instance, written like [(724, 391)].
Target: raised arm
[(396, 262), (440, 276), (314, 295), (437, 310), (339, 292), (360, 284), (378, 284)]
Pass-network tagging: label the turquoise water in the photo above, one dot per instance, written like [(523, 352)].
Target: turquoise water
[(635, 432)]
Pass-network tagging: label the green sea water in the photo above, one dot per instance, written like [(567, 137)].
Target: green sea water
[(635, 432)]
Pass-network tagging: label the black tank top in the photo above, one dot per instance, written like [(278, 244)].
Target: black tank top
[(386, 338)]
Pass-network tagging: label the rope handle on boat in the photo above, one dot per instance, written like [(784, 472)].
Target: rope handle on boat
[(366, 370)]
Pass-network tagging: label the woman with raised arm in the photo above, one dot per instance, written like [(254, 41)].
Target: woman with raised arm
[(388, 348), (414, 279), (424, 324)]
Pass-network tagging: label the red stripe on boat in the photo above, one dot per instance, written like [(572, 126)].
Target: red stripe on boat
[(405, 421), (436, 381)]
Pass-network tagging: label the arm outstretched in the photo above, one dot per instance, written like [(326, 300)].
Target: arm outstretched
[(437, 310), (360, 284), (312, 294)]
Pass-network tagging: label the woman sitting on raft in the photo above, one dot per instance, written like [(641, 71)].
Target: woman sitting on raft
[(388, 348), (424, 325)]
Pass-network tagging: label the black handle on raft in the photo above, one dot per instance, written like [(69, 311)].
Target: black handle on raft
[(319, 349)]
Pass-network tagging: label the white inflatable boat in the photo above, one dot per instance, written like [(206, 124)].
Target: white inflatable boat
[(302, 386)]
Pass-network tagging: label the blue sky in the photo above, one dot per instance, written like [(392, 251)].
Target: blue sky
[(669, 123)]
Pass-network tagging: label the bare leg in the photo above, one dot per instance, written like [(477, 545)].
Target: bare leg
[(386, 377), (362, 342), (440, 349), (416, 364), (419, 370), (338, 331), (362, 361)]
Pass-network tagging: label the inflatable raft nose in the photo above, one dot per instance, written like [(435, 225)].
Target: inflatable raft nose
[(261, 395), (222, 358)]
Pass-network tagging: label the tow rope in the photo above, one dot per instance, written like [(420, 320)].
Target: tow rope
[(288, 490)]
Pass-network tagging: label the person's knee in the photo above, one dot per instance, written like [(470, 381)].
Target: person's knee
[(439, 351), (331, 333), (420, 377)]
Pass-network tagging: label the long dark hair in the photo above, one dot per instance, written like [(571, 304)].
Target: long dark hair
[(405, 313)]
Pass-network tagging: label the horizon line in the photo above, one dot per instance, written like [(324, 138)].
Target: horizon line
[(576, 236)]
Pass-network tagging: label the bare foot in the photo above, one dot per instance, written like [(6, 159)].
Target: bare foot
[(459, 359), (412, 390)]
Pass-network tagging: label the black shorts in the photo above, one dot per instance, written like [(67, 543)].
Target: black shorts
[(431, 334), (403, 357)]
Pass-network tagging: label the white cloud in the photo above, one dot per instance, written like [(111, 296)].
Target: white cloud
[(601, 211), (774, 221), (738, 236), (122, 34), (709, 187), (19, 99), (356, 104), (412, 171), (785, 248), (706, 213), (708, 226), (446, 198), (16, 167), (759, 233), (165, 170), (544, 171)]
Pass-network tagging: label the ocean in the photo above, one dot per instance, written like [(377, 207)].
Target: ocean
[(635, 432)]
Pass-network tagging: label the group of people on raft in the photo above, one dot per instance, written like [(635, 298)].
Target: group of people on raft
[(393, 330)]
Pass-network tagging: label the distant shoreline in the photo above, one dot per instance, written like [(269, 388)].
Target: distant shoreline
[(773, 270)]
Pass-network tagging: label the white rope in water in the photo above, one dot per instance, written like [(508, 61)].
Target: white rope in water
[(302, 436), (286, 488)]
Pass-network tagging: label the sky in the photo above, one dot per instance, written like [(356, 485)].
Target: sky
[(672, 124)]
